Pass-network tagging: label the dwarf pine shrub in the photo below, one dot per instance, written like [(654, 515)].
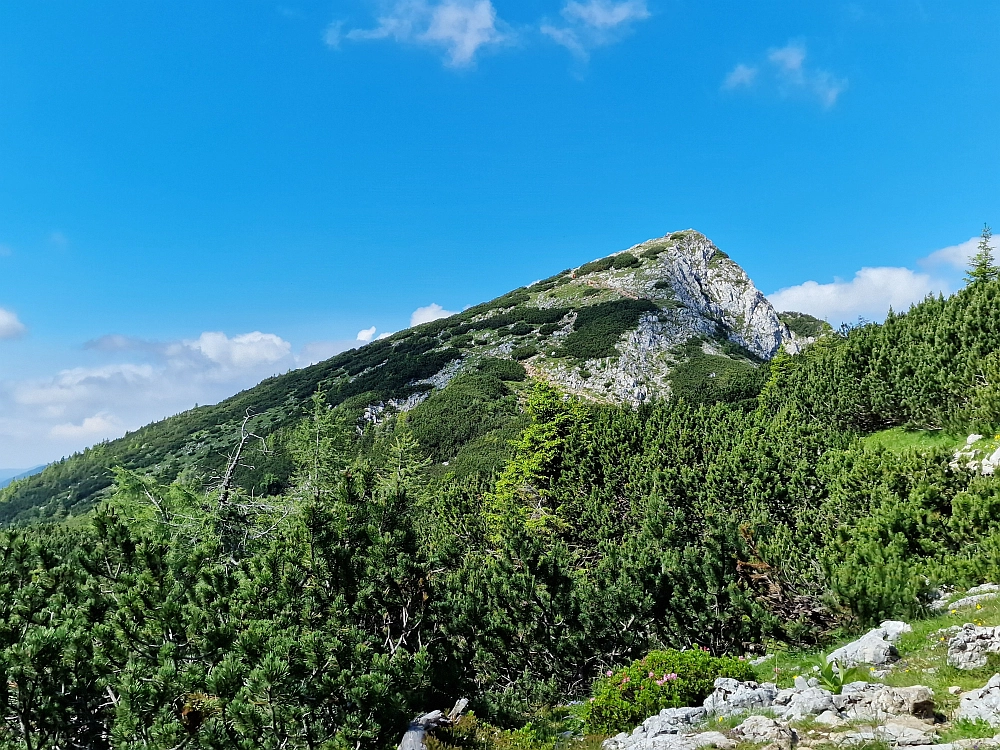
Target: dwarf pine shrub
[(663, 679)]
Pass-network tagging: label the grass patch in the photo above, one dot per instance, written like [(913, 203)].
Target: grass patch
[(899, 439)]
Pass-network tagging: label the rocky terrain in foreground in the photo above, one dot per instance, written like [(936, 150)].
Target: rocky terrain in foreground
[(817, 713)]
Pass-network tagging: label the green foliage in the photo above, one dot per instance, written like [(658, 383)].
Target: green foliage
[(547, 329), (598, 328), (833, 677), (595, 266), (805, 325), (625, 260), (704, 378), (519, 353), (663, 679), (982, 267), (472, 405), (504, 369)]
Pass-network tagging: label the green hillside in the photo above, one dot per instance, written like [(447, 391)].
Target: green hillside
[(566, 328), (511, 541)]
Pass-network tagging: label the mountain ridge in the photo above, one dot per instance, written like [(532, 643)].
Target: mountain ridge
[(667, 313)]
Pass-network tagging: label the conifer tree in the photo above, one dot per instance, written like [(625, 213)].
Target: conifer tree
[(982, 266)]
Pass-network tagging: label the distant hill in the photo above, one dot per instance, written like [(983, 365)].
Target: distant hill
[(671, 315), (9, 475)]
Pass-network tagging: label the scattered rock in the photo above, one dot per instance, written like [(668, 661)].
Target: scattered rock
[(830, 719), (761, 659), (733, 697), (970, 601), (984, 588), (765, 729), (970, 647), (874, 702), (899, 735), (874, 647), (669, 741), (982, 703), (797, 703), (954, 690), (673, 721)]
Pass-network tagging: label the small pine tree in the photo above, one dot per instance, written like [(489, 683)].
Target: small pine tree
[(982, 266)]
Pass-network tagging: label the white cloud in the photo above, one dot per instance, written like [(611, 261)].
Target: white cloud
[(426, 314), (332, 34), (385, 335), (98, 427), (594, 23), (790, 74), (246, 351), (136, 382), (366, 334), (869, 294), (873, 290), (461, 27), (956, 256), (741, 75), (10, 326), (789, 58)]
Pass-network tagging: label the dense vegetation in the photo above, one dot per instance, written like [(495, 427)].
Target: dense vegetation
[(563, 540)]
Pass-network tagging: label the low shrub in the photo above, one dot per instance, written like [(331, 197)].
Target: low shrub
[(523, 352), (625, 260), (663, 679), (520, 329), (602, 264), (502, 368), (548, 329)]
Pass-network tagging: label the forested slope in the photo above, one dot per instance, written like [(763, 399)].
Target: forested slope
[(666, 315), (379, 582)]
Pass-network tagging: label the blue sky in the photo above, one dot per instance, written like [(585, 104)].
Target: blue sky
[(195, 195)]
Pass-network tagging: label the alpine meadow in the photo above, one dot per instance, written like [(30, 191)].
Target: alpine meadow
[(634, 466)]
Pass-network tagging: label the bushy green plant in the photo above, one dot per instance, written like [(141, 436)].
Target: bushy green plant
[(663, 679), (502, 368), (624, 260), (523, 352)]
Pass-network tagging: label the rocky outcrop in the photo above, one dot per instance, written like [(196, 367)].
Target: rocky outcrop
[(982, 704), (733, 697), (862, 712), (874, 647), (971, 646)]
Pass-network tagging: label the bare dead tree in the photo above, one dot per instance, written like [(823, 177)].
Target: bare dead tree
[(233, 460)]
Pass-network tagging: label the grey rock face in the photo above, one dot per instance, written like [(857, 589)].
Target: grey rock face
[(875, 702), (700, 292), (640, 741), (764, 729), (971, 646), (733, 697), (874, 647), (797, 703), (982, 704)]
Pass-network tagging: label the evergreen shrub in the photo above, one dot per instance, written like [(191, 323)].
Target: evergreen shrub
[(624, 260), (523, 352), (663, 679)]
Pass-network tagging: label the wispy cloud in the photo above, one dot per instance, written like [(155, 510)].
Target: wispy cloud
[(10, 326), (461, 27), (872, 291), (740, 76), (332, 34), (433, 311), (366, 334), (786, 70), (595, 23)]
